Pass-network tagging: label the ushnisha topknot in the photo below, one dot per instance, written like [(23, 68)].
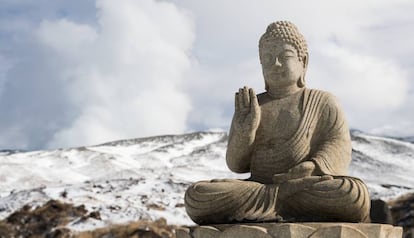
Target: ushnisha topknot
[(287, 32)]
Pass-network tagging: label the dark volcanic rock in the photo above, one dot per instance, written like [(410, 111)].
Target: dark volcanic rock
[(49, 220), (380, 212), (41, 221), (144, 229), (402, 209)]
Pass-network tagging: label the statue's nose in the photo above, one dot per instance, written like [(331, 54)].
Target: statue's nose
[(277, 62)]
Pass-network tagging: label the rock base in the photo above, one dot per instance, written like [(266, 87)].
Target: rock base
[(292, 230)]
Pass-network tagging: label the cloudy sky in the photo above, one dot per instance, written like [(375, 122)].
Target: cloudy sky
[(83, 72)]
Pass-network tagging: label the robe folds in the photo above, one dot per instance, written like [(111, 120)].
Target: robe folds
[(322, 137)]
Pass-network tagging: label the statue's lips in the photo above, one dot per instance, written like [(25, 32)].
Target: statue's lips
[(276, 74)]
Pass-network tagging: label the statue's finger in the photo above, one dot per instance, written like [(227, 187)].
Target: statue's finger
[(312, 179), (241, 103), (326, 177), (254, 104), (246, 98), (236, 102), (253, 98)]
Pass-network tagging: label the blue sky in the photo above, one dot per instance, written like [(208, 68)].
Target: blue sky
[(83, 72)]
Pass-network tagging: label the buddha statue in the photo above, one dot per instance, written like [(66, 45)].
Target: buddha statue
[(294, 141)]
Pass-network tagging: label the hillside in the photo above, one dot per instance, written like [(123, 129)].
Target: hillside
[(146, 178)]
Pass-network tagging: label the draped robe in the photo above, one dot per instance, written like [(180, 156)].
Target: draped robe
[(322, 137)]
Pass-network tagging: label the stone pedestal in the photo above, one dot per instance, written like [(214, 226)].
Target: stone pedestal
[(292, 230)]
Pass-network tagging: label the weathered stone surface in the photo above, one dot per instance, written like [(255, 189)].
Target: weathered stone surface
[(290, 230), (183, 233), (296, 230), (294, 141), (206, 232), (338, 231), (242, 231)]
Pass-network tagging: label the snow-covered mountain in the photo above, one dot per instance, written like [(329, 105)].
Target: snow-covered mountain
[(385, 164), (146, 178)]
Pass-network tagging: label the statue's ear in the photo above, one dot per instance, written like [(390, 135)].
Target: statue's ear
[(301, 81), (305, 61)]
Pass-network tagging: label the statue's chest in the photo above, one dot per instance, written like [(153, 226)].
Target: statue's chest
[(280, 119)]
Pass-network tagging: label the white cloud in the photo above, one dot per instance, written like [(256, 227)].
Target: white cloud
[(146, 67), (365, 82), (67, 38), (124, 75)]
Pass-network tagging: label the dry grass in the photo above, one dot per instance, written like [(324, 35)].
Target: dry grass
[(139, 229), (49, 221)]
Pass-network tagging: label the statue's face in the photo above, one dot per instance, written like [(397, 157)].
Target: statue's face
[(281, 65)]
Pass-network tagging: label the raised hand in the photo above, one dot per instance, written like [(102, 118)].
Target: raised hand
[(247, 111), (245, 122)]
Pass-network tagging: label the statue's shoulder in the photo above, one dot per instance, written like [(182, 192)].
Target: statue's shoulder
[(321, 95), (318, 92), (325, 99)]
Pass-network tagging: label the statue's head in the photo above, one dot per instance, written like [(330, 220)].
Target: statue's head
[(283, 55)]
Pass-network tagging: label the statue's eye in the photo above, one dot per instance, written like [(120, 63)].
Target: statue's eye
[(287, 55)]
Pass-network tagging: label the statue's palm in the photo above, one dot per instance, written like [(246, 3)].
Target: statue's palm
[(247, 111)]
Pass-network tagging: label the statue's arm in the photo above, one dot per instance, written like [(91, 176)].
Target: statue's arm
[(239, 150), (243, 128), (332, 148)]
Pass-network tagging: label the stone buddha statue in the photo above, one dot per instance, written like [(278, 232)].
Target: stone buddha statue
[(294, 141)]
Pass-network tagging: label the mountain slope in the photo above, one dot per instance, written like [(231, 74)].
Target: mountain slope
[(146, 178), (385, 164)]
